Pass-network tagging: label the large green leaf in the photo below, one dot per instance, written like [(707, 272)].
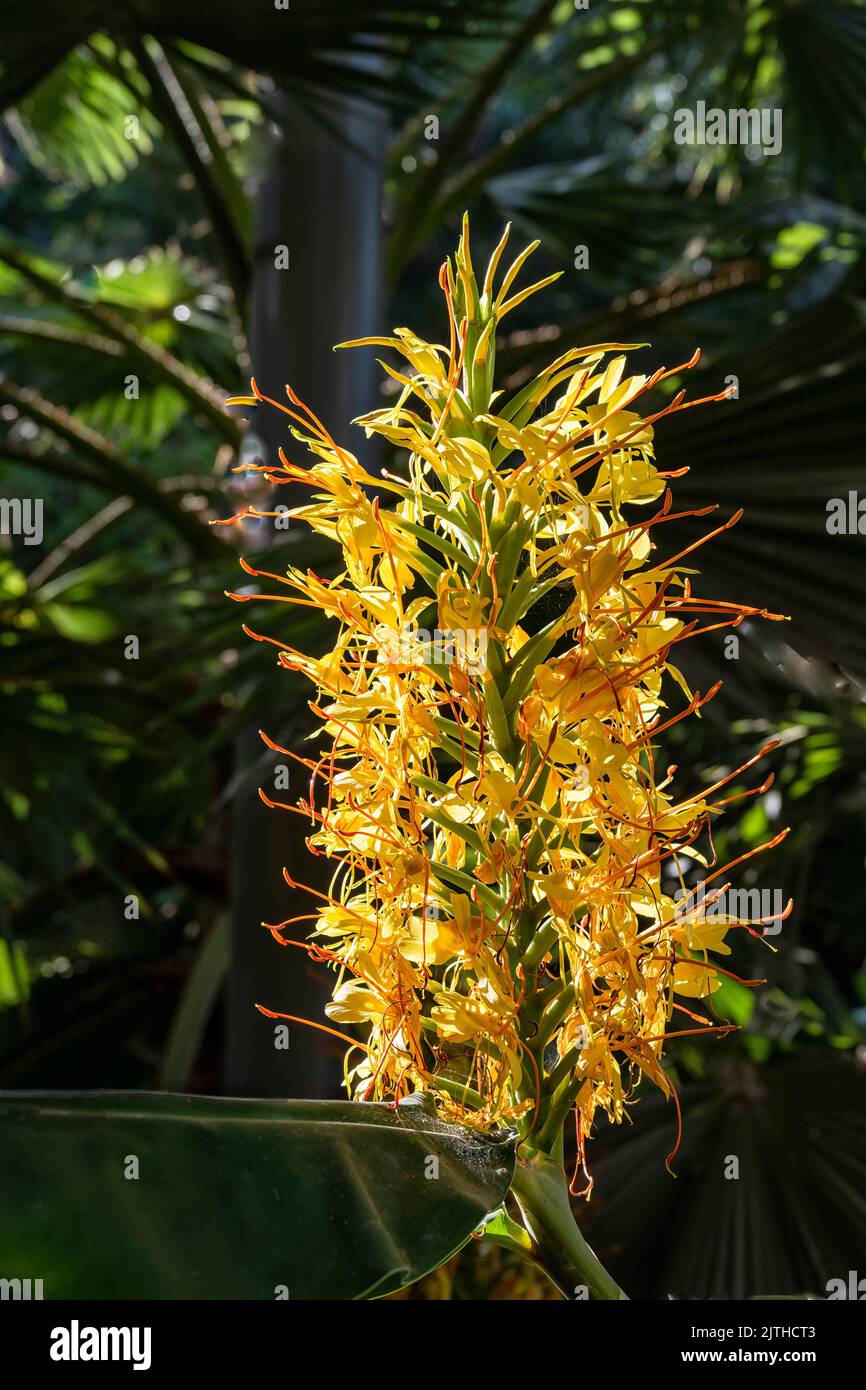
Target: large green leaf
[(235, 1198)]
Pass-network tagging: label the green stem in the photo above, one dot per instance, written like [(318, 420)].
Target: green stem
[(538, 948), (560, 1102), (542, 1192)]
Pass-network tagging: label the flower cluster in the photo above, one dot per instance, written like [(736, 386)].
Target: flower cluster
[(500, 922)]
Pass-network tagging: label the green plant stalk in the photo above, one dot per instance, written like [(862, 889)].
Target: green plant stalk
[(560, 1249), (558, 1104), (539, 1183)]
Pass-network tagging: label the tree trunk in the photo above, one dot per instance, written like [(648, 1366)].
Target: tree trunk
[(321, 202)]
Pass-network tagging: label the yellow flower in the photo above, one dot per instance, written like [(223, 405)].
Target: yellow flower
[(497, 816)]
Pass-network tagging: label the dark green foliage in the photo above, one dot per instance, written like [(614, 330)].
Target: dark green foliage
[(160, 1196), (127, 257)]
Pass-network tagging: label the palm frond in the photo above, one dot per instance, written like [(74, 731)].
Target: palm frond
[(768, 1197)]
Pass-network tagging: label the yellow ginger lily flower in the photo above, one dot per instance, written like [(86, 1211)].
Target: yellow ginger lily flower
[(501, 673)]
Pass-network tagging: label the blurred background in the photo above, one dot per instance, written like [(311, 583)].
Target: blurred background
[(230, 190)]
